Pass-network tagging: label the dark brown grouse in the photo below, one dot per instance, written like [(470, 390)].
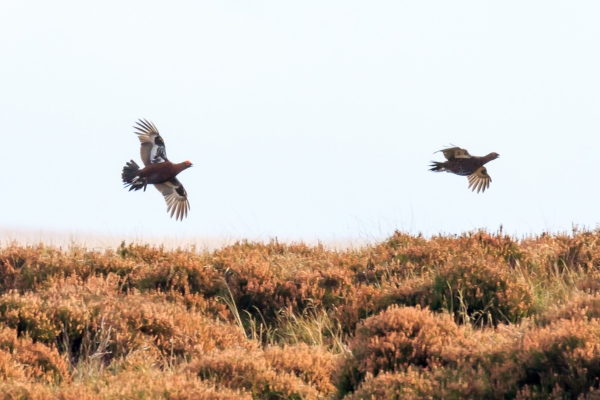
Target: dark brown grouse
[(158, 170), (460, 162)]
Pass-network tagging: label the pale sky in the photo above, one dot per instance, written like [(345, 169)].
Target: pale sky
[(311, 119)]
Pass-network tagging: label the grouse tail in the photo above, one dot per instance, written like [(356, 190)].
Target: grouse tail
[(437, 166), (131, 178)]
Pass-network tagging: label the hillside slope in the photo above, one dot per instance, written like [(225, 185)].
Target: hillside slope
[(473, 316)]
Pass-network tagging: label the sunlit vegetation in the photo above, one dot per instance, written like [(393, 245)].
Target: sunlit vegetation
[(479, 315)]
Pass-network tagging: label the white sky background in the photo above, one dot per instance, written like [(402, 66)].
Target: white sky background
[(303, 119)]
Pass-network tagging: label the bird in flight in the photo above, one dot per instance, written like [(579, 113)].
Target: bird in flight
[(157, 171), (460, 162)]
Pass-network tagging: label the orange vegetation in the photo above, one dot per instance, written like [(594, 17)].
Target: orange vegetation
[(478, 315)]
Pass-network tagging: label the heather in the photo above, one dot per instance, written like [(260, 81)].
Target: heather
[(477, 315)]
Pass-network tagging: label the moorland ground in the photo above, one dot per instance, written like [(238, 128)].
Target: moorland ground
[(478, 315)]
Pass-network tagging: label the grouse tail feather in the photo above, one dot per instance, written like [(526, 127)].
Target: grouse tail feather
[(130, 177), (437, 166)]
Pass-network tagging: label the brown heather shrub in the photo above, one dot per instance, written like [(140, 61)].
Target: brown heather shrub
[(130, 384), (401, 337), (22, 360), (403, 253), (264, 279), (416, 383), (477, 291), (484, 290), (589, 283), (407, 359), (63, 315), (251, 371), (25, 268), (156, 384), (406, 352), (561, 357), (368, 300), (313, 364), (581, 307), (407, 255), (409, 384), (477, 315), (173, 329), (471, 276), (140, 267), (552, 254)]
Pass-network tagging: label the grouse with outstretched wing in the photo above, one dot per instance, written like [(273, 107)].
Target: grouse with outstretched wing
[(460, 162), (157, 171)]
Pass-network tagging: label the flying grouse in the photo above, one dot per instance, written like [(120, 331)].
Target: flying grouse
[(157, 171), (460, 162)]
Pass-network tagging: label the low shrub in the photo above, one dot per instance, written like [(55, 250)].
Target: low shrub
[(477, 315), (562, 357), (21, 359), (417, 383), (401, 337), (581, 307), (250, 371), (312, 364), (481, 291)]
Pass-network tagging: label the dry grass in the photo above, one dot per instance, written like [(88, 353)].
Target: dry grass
[(478, 315)]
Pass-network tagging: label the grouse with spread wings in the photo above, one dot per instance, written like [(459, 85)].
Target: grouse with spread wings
[(157, 171), (460, 162)]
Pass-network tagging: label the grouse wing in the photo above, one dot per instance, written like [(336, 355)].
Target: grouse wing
[(176, 198), (153, 146), (479, 180), (454, 152)]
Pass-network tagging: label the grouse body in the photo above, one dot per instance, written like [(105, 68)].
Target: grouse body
[(157, 171), (460, 162)]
